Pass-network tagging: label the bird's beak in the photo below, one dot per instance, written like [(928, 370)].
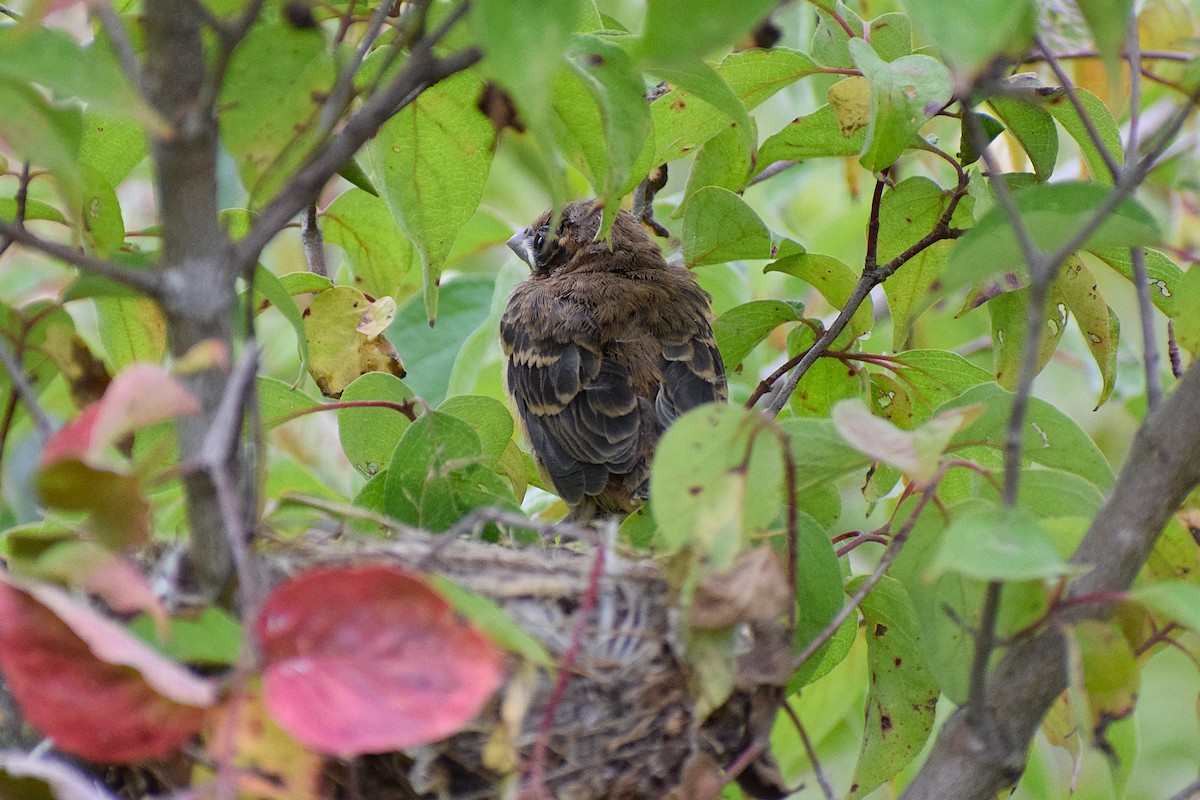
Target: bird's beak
[(522, 244)]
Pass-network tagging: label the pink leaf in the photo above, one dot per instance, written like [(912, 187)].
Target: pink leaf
[(94, 688), (73, 440), (113, 578), (369, 659), (139, 396)]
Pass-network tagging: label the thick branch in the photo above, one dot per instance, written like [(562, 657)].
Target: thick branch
[(198, 280), (1162, 467)]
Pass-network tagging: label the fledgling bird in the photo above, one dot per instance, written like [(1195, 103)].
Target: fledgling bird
[(605, 348)]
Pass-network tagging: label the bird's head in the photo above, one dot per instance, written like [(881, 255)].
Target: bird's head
[(571, 244)]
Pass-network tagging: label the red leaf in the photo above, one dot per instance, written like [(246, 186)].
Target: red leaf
[(139, 395), (94, 688), (369, 659), (73, 440)]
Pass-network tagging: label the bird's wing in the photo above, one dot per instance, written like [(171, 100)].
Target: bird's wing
[(579, 408), (691, 366)]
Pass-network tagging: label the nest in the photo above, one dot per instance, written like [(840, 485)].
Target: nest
[(627, 726)]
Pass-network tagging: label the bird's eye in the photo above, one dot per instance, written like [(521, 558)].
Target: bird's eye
[(539, 240)]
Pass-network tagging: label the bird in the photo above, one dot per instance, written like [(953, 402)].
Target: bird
[(605, 346)]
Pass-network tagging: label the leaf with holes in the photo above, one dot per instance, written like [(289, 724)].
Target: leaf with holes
[(338, 352), (369, 659), (903, 694)]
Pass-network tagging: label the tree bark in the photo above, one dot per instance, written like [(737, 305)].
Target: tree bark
[(978, 761), (198, 270)]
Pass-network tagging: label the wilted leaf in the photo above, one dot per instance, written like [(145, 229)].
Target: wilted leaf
[(369, 659), (754, 588), (338, 351), (850, 100)]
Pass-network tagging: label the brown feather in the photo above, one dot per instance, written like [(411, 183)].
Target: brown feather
[(605, 348)]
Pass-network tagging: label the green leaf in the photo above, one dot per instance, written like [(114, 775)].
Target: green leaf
[(683, 122), (436, 474), (816, 135), (1052, 213), (99, 214), (212, 639), (723, 161), (817, 445), (827, 382), (740, 329), (295, 283), (970, 35), (1049, 437), (44, 134), (369, 435), (681, 30), (891, 35), (830, 41), (430, 353), (1109, 22), (493, 620), (272, 289), (432, 160), (111, 145), (479, 350), (1164, 275), (270, 103), (908, 213), (702, 81), (380, 257), (34, 209), (131, 329), (1099, 325), (903, 694), (51, 58), (718, 227), (904, 94), (608, 74), (1009, 313), (1034, 128), (1061, 109), (714, 485), (999, 544), (819, 596), (1053, 493), (1175, 600), (833, 279), (489, 417), (936, 376), (278, 401)]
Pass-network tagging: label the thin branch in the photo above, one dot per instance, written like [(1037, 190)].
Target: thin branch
[(313, 242), (1137, 256), (1173, 351), (206, 16), (219, 448), (21, 198), (1153, 55), (343, 90), (1189, 792), (9, 12), (12, 365), (872, 276), (118, 38), (423, 70), (771, 170), (148, 282), (1110, 162), (876, 575), (818, 770)]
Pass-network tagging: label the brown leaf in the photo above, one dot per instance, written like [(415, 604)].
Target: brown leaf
[(755, 587)]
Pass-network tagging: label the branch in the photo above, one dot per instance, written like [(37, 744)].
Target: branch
[(307, 183), (424, 69), (148, 282), (1088, 125), (118, 38), (1163, 466), (12, 365), (314, 242)]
